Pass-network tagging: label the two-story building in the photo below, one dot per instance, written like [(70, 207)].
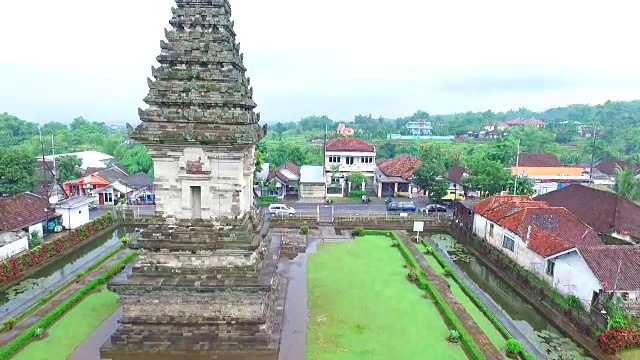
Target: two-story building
[(420, 127), (345, 156)]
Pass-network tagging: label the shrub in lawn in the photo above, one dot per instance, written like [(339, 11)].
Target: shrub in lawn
[(38, 332), (428, 249), (9, 323), (358, 232), (304, 229), (357, 194), (448, 271), (514, 348), (454, 336), (125, 240)]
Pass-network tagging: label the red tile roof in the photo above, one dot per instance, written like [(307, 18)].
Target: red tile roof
[(277, 173), (553, 229), (604, 211), (349, 144), (538, 160), (615, 266), (23, 210), (401, 166)]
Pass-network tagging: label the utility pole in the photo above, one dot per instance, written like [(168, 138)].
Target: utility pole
[(324, 159), (44, 163), (593, 154), (515, 185)]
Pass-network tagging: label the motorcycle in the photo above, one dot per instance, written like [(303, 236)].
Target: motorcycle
[(328, 201), (366, 200), (388, 200)]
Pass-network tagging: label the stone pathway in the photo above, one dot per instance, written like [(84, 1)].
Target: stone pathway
[(26, 323), (480, 338), (328, 234)]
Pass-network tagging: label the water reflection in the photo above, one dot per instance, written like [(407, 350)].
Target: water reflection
[(47, 278), (543, 334)]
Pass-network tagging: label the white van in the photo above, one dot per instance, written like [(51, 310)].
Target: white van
[(281, 209)]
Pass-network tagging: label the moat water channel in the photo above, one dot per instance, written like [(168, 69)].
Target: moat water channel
[(542, 333), (20, 296)]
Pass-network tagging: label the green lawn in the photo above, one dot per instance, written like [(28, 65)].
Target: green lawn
[(492, 333), (633, 354), (362, 307), (73, 329)]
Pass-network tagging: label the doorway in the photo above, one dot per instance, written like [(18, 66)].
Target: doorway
[(196, 202)]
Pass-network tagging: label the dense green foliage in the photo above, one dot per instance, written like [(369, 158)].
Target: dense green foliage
[(23, 142)]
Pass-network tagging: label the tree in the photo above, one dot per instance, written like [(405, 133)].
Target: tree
[(626, 184), (67, 167), (490, 177), (438, 190), (135, 158), (524, 186), (259, 162), (426, 176), (17, 169), (356, 179)]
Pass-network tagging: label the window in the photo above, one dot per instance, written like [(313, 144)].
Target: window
[(508, 243), (551, 266), (349, 160), (491, 230), (196, 202), (334, 159), (108, 197), (366, 159)]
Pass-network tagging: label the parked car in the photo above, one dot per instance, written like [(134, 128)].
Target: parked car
[(281, 209), (393, 206), (407, 206), (434, 208)]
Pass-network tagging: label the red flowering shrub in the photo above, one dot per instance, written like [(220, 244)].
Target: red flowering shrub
[(11, 268), (618, 339)]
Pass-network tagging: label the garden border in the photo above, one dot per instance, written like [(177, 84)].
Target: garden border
[(474, 298), (45, 299), (28, 335), (473, 350)]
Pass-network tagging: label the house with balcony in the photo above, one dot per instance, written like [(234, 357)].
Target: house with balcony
[(547, 172), (345, 156), (420, 127), (555, 245), (394, 177)]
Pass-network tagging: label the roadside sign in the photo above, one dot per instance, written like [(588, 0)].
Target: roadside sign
[(418, 226)]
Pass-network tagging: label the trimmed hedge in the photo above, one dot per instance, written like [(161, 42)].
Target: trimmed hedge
[(474, 298), (14, 266), (465, 338), (46, 321), (53, 294)]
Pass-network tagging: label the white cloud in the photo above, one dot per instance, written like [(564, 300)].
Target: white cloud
[(339, 57)]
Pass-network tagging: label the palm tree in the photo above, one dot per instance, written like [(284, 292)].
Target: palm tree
[(626, 184)]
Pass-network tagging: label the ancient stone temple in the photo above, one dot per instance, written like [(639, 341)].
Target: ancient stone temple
[(206, 279)]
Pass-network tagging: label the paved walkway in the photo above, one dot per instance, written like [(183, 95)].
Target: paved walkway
[(26, 323), (328, 233), (440, 282), (503, 318)]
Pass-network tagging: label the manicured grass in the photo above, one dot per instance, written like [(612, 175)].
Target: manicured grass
[(633, 354), (362, 307), (492, 333), (72, 329)]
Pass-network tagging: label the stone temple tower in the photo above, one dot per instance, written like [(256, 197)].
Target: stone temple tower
[(206, 279)]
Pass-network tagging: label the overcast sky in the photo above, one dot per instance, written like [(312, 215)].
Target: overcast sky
[(66, 58)]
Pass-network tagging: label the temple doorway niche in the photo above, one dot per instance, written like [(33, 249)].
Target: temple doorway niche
[(196, 202)]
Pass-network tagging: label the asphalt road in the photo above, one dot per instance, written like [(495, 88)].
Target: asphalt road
[(376, 206)]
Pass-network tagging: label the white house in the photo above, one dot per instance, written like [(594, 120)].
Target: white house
[(12, 243), (26, 212), (283, 181), (74, 211), (544, 240), (345, 156)]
